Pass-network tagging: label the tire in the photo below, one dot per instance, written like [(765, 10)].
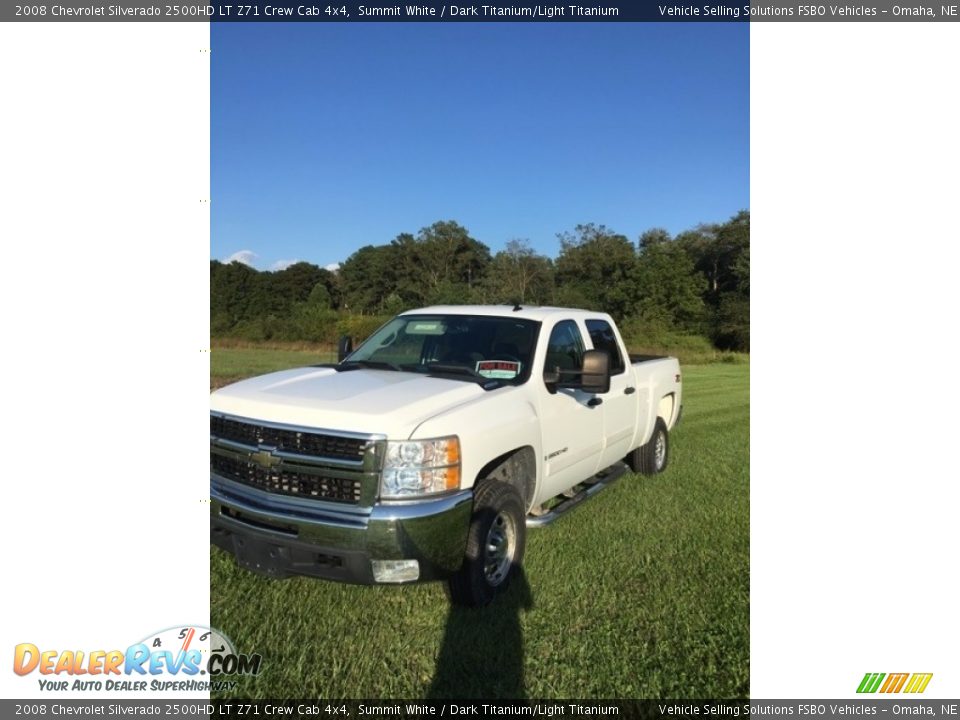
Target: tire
[(653, 457), (495, 545)]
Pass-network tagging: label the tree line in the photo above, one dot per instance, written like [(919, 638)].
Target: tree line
[(696, 283)]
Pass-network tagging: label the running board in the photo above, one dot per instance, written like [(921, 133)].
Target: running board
[(598, 482)]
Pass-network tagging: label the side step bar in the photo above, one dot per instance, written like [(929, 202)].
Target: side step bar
[(598, 482)]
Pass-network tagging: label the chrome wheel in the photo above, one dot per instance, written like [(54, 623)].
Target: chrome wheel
[(499, 549), (660, 450)]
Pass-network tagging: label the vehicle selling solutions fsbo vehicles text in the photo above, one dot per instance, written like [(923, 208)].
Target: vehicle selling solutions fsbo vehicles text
[(801, 11)]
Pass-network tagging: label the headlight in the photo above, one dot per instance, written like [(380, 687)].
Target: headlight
[(421, 467)]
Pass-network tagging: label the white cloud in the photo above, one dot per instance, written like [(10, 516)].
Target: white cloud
[(283, 264), (250, 258), (242, 256)]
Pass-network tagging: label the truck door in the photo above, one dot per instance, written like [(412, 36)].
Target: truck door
[(572, 427), (621, 404)]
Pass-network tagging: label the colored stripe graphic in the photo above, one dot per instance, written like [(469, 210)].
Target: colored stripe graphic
[(895, 682), (918, 683), (870, 683)]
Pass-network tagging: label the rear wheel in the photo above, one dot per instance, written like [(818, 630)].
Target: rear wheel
[(653, 457), (495, 545)]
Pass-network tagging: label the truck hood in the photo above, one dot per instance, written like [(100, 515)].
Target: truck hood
[(363, 401)]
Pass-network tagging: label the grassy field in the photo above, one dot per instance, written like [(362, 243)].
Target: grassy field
[(642, 592)]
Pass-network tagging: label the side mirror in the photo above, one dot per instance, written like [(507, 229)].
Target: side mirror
[(595, 377), (551, 378), (344, 347)]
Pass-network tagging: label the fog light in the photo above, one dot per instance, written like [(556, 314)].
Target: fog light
[(395, 571)]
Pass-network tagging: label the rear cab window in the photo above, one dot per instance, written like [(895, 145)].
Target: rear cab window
[(604, 338)]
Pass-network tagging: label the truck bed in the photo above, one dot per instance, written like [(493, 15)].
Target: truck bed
[(637, 359)]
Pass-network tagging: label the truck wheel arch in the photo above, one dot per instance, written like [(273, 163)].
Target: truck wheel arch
[(517, 468), (665, 408)]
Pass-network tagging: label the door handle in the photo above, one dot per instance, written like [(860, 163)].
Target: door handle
[(629, 391), (593, 402)]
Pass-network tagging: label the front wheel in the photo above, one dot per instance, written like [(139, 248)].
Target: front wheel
[(495, 545), (653, 457)]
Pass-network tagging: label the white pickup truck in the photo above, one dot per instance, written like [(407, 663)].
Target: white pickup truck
[(427, 452)]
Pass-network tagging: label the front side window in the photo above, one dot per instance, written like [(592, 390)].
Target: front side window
[(565, 348)]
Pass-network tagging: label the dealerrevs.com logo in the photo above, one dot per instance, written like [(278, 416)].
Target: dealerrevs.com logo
[(894, 682), (184, 659)]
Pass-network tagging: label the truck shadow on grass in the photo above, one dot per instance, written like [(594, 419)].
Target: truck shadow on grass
[(481, 655)]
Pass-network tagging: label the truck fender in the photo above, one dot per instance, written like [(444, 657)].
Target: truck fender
[(517, 468)]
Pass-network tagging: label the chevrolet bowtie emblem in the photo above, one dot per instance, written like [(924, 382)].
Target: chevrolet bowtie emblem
[(265, 459)]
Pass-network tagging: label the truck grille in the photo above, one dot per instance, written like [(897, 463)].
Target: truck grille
[(288, 440), (294, 461), (287, 482)]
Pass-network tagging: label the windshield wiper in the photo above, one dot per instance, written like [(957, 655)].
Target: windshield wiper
[(471, 375), (369, 364), (436, 369)]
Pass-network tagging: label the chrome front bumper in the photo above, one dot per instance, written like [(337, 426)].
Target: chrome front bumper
[(280, 536)]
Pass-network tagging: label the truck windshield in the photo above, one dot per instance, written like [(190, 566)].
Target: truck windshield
[(472, 346)]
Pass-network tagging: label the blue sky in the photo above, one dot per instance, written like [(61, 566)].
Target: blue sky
[(328, 137)]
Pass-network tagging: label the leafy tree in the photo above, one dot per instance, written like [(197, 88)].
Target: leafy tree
[(732, 322), (598, 265), (367, 278), (320, 297), (447, 257), (722, 253), (442, 264), (405, 280), (518, 274), (653, 236), (236, 294), (716, 251), (670, 290), (696, 282), (314, 320), (393, 305), (284, 288), (700, 244), (734, 239)]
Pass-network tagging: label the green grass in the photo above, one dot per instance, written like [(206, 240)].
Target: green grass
[(689, 349), (642, 592), (233, 363)]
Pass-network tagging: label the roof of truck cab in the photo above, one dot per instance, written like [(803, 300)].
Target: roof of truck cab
[(528, 312)]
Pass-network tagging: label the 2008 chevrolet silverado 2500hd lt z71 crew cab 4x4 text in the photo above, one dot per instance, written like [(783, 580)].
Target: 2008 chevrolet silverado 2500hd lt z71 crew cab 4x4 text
[(427, 452)]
